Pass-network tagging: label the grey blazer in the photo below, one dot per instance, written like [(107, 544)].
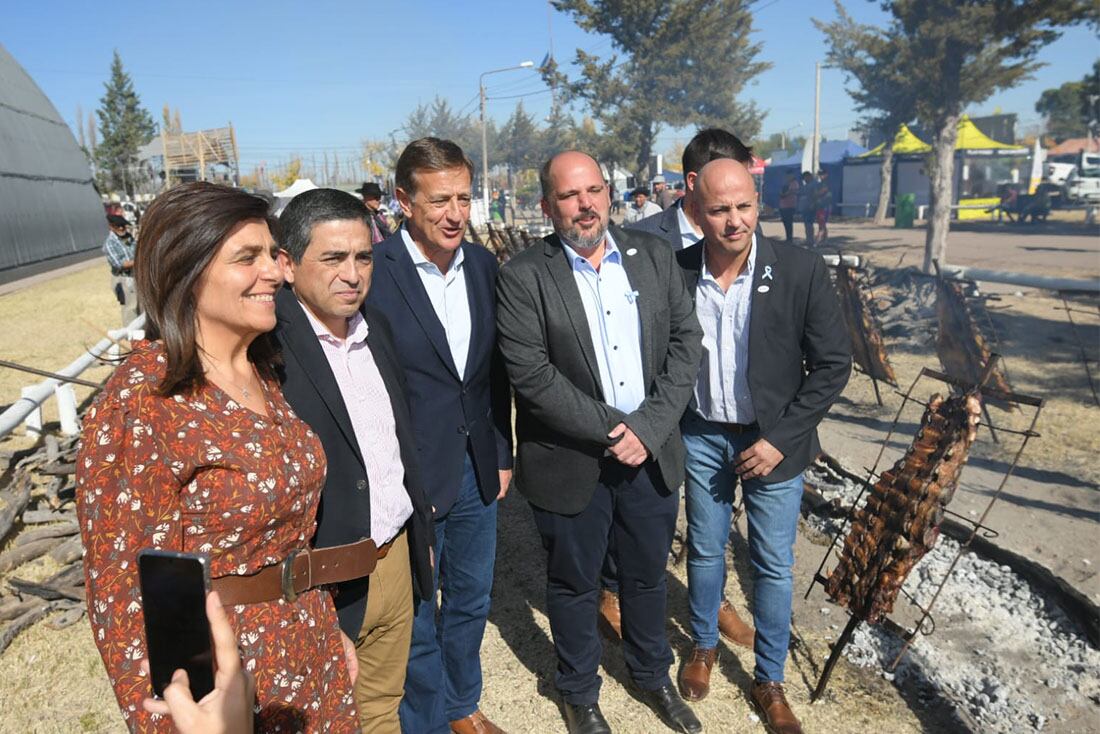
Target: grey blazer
[(562, 421)]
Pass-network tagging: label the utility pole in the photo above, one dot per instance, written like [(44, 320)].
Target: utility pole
[(484, 134), (817, 119)]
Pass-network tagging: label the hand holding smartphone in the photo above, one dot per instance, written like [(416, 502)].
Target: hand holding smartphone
[(177, 632)]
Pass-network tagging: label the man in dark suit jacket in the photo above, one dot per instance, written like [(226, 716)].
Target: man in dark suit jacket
[(341, 376), (602, 348), (437, 290), (775, 357), (676, 224)]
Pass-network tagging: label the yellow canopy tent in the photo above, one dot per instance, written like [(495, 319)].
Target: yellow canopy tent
[(969, 137), (904, 142)]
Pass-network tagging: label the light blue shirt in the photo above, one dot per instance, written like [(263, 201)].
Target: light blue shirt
[(722, 387), (611, 307), (447, 292), (688, 237)]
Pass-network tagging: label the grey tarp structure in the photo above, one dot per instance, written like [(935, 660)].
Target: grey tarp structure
[(48, 206)]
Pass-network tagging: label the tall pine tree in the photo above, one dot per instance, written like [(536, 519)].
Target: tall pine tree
[(124, 126)]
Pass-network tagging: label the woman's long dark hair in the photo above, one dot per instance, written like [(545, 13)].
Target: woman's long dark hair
[(180, 234)]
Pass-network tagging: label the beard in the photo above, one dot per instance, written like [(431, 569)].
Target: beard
[(578, 240)]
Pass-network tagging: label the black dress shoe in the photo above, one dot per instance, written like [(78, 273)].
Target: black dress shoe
[(585, 718), (671, 708)]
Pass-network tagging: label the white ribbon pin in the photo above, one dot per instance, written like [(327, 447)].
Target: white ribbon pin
[(767, 273)]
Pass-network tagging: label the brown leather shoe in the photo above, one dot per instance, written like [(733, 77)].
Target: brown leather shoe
[(771, 702), (733, 628), (475, 723), (609, 611), (695, 675)]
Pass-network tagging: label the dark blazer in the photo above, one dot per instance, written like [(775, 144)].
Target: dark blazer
[(799, 355), (449, 414), (344, 513), (561, 420), (665, 224)]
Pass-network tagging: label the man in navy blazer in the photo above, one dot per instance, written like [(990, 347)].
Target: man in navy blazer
[(676, 225), (438, 292)]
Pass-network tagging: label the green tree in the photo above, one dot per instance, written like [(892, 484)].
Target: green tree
[(124, 126), (960, 53), (440, 120), (883, 91), (519, 141), (1068, 108), (778, 142), (675, 62)]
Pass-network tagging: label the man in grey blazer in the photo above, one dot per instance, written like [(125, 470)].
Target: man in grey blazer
[(602, 349)]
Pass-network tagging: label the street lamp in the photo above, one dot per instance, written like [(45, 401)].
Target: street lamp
[(484, 136), (783, 136)]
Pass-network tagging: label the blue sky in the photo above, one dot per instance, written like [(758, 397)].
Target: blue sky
[(305, 78)]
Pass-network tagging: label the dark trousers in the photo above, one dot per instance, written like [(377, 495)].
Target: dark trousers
[(634, 508), (787, 215)]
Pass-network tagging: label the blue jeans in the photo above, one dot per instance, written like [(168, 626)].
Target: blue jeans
[(772, 511), (443, 682)]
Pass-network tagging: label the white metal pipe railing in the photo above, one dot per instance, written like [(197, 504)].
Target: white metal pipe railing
[(1022, 279), (28, 409)]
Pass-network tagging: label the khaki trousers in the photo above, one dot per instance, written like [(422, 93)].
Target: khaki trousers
[(383, 644)]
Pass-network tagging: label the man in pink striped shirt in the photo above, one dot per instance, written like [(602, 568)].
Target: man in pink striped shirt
[(341, 376)]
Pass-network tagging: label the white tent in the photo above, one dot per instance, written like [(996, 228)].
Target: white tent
[(299, 186), (282, 198)]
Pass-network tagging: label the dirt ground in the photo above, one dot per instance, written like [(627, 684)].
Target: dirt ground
[(53, 681)]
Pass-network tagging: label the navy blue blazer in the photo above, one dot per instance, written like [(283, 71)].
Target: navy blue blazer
[(451, 416), (664, 224), (344, 513)]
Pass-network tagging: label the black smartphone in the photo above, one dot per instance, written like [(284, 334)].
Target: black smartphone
[(177, 632)]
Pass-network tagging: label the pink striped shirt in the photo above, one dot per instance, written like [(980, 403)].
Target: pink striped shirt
[(368, 405)]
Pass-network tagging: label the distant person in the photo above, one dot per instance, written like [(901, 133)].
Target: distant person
[(788, 202), (823, 203), (371, 194), (678, 190), (641, 207), (775, 358), (807, 205), (119, 249), (677, 224), (662, 194)]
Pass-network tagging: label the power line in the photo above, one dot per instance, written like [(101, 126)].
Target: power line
[(517, 96)]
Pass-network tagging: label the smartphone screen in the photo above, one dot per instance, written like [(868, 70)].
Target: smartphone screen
[(177, 633)]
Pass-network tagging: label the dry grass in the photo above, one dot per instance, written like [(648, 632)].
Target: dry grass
[(47, 325)]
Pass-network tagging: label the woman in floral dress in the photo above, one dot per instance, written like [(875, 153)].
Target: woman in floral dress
[(191, 447)]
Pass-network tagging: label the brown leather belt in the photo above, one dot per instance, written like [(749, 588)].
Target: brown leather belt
[(738, 429), (301, 571)]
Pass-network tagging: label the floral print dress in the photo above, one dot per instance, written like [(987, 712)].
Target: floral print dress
[(200, 473)]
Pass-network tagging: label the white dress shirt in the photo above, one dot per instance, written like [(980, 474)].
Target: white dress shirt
[(611, 308), (722, 387), (371, 413), (688, 235), (447, 292)]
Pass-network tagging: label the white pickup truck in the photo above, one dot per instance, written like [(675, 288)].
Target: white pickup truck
[(1078, 175)]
